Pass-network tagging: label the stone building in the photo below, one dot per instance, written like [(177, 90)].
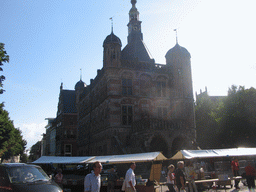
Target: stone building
[(61, 132), (134, 104)]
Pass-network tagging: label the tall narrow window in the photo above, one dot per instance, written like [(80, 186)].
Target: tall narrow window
[(126, 86), (127, 115), (68, 150), (145, 86), (162, 112), (161, 89)]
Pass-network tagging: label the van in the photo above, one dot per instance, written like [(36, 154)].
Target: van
[(21, 177)]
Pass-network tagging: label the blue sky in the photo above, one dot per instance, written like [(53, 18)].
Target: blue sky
[(50, 41)]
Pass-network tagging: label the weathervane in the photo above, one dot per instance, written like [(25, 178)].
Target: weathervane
[(111, 18), (176, 35), (81, 74)]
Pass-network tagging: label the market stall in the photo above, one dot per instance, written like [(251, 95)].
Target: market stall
[(75, 165), (219, 160)]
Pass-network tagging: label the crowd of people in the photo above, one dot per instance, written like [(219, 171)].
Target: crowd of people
[(177, 178)]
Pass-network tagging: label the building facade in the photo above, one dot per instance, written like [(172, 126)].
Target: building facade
[(61, 132), (134, 104)]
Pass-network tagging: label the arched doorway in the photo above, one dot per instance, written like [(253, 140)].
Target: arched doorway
[(179, 143), (159, 144)]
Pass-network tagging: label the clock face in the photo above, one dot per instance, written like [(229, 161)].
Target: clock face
[(136, 28)]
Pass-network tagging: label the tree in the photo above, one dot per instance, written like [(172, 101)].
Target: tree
[(11, 142), (3, 58), (239, 121), (35, 151), (207, 120), (228, 122)]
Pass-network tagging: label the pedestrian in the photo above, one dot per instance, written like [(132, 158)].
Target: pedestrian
[(250, 176), (129, 181), (190, 176), (235, 171), (180, 176), (59, 178), (92, 181), (112, 178), (171, 178)]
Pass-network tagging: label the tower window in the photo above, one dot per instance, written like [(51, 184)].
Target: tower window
[(161, 89), (162, 112), (113, 55), (127, 115), (126, 86)]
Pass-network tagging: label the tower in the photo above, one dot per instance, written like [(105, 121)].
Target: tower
[(135, 48), (112, 51), (134, 25), (178, 60)]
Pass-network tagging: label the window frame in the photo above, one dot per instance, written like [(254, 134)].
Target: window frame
[(127, 115), (127, 86)]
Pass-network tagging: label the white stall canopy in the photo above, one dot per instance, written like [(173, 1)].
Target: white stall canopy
[(139, 157), (113, 159), (62, 160), (232, 152)]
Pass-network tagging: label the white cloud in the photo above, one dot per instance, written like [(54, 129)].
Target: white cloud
[(32, 132)]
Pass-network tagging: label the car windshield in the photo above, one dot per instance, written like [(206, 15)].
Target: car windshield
[(24, 174)]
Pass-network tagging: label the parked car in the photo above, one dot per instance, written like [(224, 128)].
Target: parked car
[(21, 177)]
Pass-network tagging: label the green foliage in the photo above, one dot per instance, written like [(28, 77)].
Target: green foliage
[(3, 59), (239, 121), (24, 158), (34, 152), (207, 119), (11, 142), (227, 122)]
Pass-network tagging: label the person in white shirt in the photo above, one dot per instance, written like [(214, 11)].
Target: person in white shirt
[(170, 178), (130, 181), (92, 181)]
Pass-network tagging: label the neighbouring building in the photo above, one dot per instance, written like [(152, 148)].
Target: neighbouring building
[(61, 132)]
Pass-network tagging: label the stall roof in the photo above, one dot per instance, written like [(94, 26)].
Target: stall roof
[(139, 157), (62, 160), (232, 152)]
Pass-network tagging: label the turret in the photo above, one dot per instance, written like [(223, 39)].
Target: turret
[(112, 51)]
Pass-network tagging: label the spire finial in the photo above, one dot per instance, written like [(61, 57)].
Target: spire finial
[(111, 18), (176, 35), (133, 2), (81, 74)]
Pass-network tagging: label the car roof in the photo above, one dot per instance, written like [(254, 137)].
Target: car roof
[(17, 165)]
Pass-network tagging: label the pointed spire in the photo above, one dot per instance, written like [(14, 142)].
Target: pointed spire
[(176, 35), (80, 74), (111, 18)]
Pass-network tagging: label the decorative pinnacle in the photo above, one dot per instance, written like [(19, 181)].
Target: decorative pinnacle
[(111, 18), (133, 2), (176, 35)]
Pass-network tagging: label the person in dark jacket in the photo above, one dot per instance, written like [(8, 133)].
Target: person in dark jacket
[(250, 176), (180, 176)]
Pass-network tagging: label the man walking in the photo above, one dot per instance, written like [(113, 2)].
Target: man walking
[(250, 176), (235, 170), (92, 181), (130, 181), (180, 176)]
